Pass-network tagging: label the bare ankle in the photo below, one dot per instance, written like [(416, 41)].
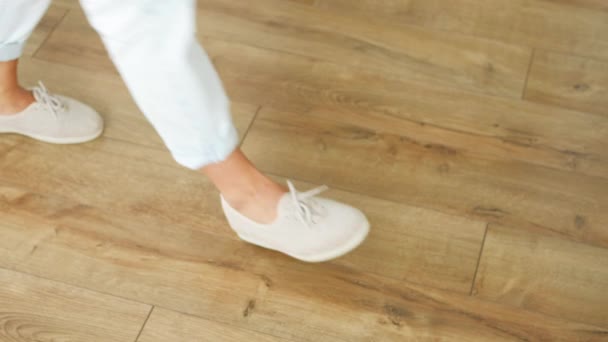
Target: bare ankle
[(258, 203), (257, 192), (13, 101), (245, 188)]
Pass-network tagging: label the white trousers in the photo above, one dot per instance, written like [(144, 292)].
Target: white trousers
[(153, 45)]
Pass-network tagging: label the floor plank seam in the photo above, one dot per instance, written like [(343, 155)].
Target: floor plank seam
[(365, 69), (74, 285), (596, 59), (51, 33), (425, 28), (275, 50), (143, 326), (544, 229), (501, 139), (255, 116), (231, 238), (541, 147), (153, 306), (228, 322), (483, 242), (343, 190), (523, 91)]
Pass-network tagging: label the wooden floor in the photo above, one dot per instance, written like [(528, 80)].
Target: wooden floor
[(474, 134)]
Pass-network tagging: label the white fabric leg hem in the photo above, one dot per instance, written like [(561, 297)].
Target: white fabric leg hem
[(11, 51), (217, 153)]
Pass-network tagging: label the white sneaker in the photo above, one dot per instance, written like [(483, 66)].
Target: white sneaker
[(54, 119), (307, 228)]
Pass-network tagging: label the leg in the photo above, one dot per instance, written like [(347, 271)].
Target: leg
[(18, 19), (13, 97), (36, 113), (245, 187), (153, 46)]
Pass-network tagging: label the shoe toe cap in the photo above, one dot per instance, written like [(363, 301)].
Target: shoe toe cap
[(344, 227), (82, 120)]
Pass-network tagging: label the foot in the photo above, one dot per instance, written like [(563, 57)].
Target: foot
[(54, 119), (257, 199), (306, 227)]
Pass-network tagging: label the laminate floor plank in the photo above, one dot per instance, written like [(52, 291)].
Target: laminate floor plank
[(544, 273), (34, 309), (165, 325), (567, 26), (371, 43), (406, 243), (569, 82), (489, 127), (231, 283)]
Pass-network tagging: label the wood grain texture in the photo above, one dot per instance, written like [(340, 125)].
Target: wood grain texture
[(34, 309), (103, 253), (412, 109), (407, 243), (570, 82), (165, 325), (222, 280), (371, 43), (576, 26), (374, 159), (392, 124), (504, 129), (489, 127), (544, 273)]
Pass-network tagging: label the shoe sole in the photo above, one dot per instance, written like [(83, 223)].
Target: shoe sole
[(326, 256), (58, 141)]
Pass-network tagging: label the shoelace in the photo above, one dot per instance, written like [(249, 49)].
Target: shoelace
[(42, 96), (304, 209)]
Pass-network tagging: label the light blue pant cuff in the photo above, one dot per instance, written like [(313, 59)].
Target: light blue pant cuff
[(219, 152), (11, 51)]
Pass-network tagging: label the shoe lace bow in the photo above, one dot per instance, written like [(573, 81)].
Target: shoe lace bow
[(304, 206), (43, 97)]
